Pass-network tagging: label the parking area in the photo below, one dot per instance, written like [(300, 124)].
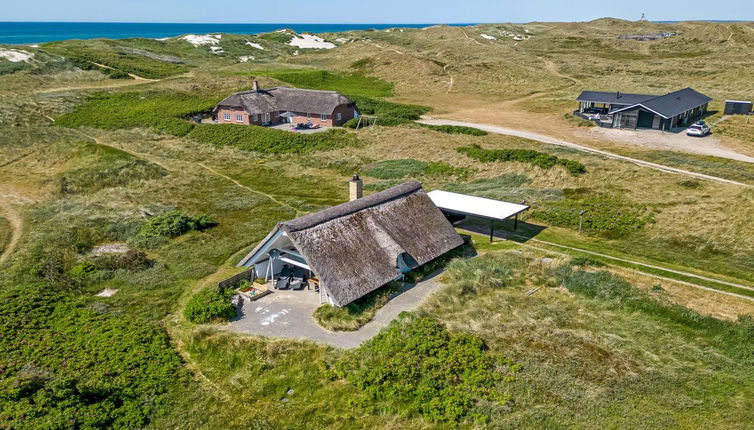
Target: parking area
[(288, 314)]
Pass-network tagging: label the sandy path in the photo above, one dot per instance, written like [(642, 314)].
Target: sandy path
[(553, 141)]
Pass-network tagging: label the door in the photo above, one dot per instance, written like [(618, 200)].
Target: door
[(266, 117), (645, 119)]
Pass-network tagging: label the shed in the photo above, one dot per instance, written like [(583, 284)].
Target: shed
[(737, 107), (356, 247)]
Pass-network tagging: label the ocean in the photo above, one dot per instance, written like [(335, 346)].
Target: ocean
[(39, 32)]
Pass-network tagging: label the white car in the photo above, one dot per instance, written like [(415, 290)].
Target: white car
[(698, 130)]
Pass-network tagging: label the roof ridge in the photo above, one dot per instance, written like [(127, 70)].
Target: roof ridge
[(349, 208)]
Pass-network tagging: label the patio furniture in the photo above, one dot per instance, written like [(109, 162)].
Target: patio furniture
[(284, 280)]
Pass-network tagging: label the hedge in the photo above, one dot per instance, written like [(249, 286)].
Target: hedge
[(210, 304), (539, 159), (269, 140)]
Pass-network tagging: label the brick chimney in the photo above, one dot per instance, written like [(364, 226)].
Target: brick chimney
[(255, 86), (355, 188)]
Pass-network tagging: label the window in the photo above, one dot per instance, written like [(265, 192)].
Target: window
[(309, 116), (226, 116), (339, 116), (323, 117), (256, 117), (239, 118)]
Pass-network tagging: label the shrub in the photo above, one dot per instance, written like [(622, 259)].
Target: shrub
[(130, 260), (539, 159), (578, 121), (175, 223), (417, 367), (163, 111), (455, 129), (210, 304), (261, 139), (67, 366), (407, 167), (357, 313)]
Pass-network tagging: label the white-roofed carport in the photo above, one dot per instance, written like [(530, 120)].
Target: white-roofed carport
[(479, 207)]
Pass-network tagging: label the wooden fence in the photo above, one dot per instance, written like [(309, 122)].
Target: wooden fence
[(235, 280)]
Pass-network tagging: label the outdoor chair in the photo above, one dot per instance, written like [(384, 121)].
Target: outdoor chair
[(284, 280)]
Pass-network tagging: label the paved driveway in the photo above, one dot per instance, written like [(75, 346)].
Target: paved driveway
[(288, 314)]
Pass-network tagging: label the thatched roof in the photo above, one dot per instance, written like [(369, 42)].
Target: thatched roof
[(286, 99), (354, 247)]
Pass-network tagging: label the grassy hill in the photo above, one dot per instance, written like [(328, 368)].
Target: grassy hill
[(617, 332)]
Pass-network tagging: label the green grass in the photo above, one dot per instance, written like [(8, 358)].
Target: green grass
[(354, 315), (5, 233), (260, 139), (85, 53), (455, 129), (402, 168), (352, 84), (166, 112), (539, 159), (723, 167), (601, 354)]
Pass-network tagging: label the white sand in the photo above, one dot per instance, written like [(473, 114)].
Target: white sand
[(16, 55), (216, 50), (488, 37), (246, 58), (199, 40), (110, 248), (311, 42), (255, 45)]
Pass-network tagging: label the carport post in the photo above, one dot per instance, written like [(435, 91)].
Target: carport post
[(492, 229), (515, 222)]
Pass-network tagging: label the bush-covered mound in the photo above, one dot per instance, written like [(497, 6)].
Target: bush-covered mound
[(261, 139), (165, 112), (353, 84), (65, 366), (455, 129), (387, 113), (354, 315), (175, 223), (210, 304), (417, 367), (408, 167), (539, 159)]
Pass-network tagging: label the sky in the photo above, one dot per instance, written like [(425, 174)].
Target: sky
[(369, 11)]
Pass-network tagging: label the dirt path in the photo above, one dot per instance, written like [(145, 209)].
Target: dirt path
[(16, 225), (451, 81), (135, 77), (553, 141)]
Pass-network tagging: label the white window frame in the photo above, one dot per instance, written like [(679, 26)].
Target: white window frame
[(338, 116), (256, 117), (323, 117), (266, 117), (309, 115), (239, 117), (226, 117)]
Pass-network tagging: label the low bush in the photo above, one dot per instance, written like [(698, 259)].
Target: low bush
[(261, 139), (210, 304), (65, 365), (402, 168), (417, 367), (175, 223), (163, 111), (539, 159), (354, 315), (578, 121), (388, 114), (455, 129), (352, 84)]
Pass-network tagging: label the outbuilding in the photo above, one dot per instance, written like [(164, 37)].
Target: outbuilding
[(737, 107)]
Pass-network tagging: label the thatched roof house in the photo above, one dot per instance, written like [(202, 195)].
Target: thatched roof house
[(263, 106), (356, 247)]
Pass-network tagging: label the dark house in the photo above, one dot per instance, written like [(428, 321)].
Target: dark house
[(283, 104), (356, 247), (621, 110)]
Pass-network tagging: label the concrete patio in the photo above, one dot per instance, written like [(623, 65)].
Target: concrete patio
[(288, 314)]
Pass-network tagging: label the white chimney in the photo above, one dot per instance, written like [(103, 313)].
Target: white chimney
[(355, 188), (255, 86)]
